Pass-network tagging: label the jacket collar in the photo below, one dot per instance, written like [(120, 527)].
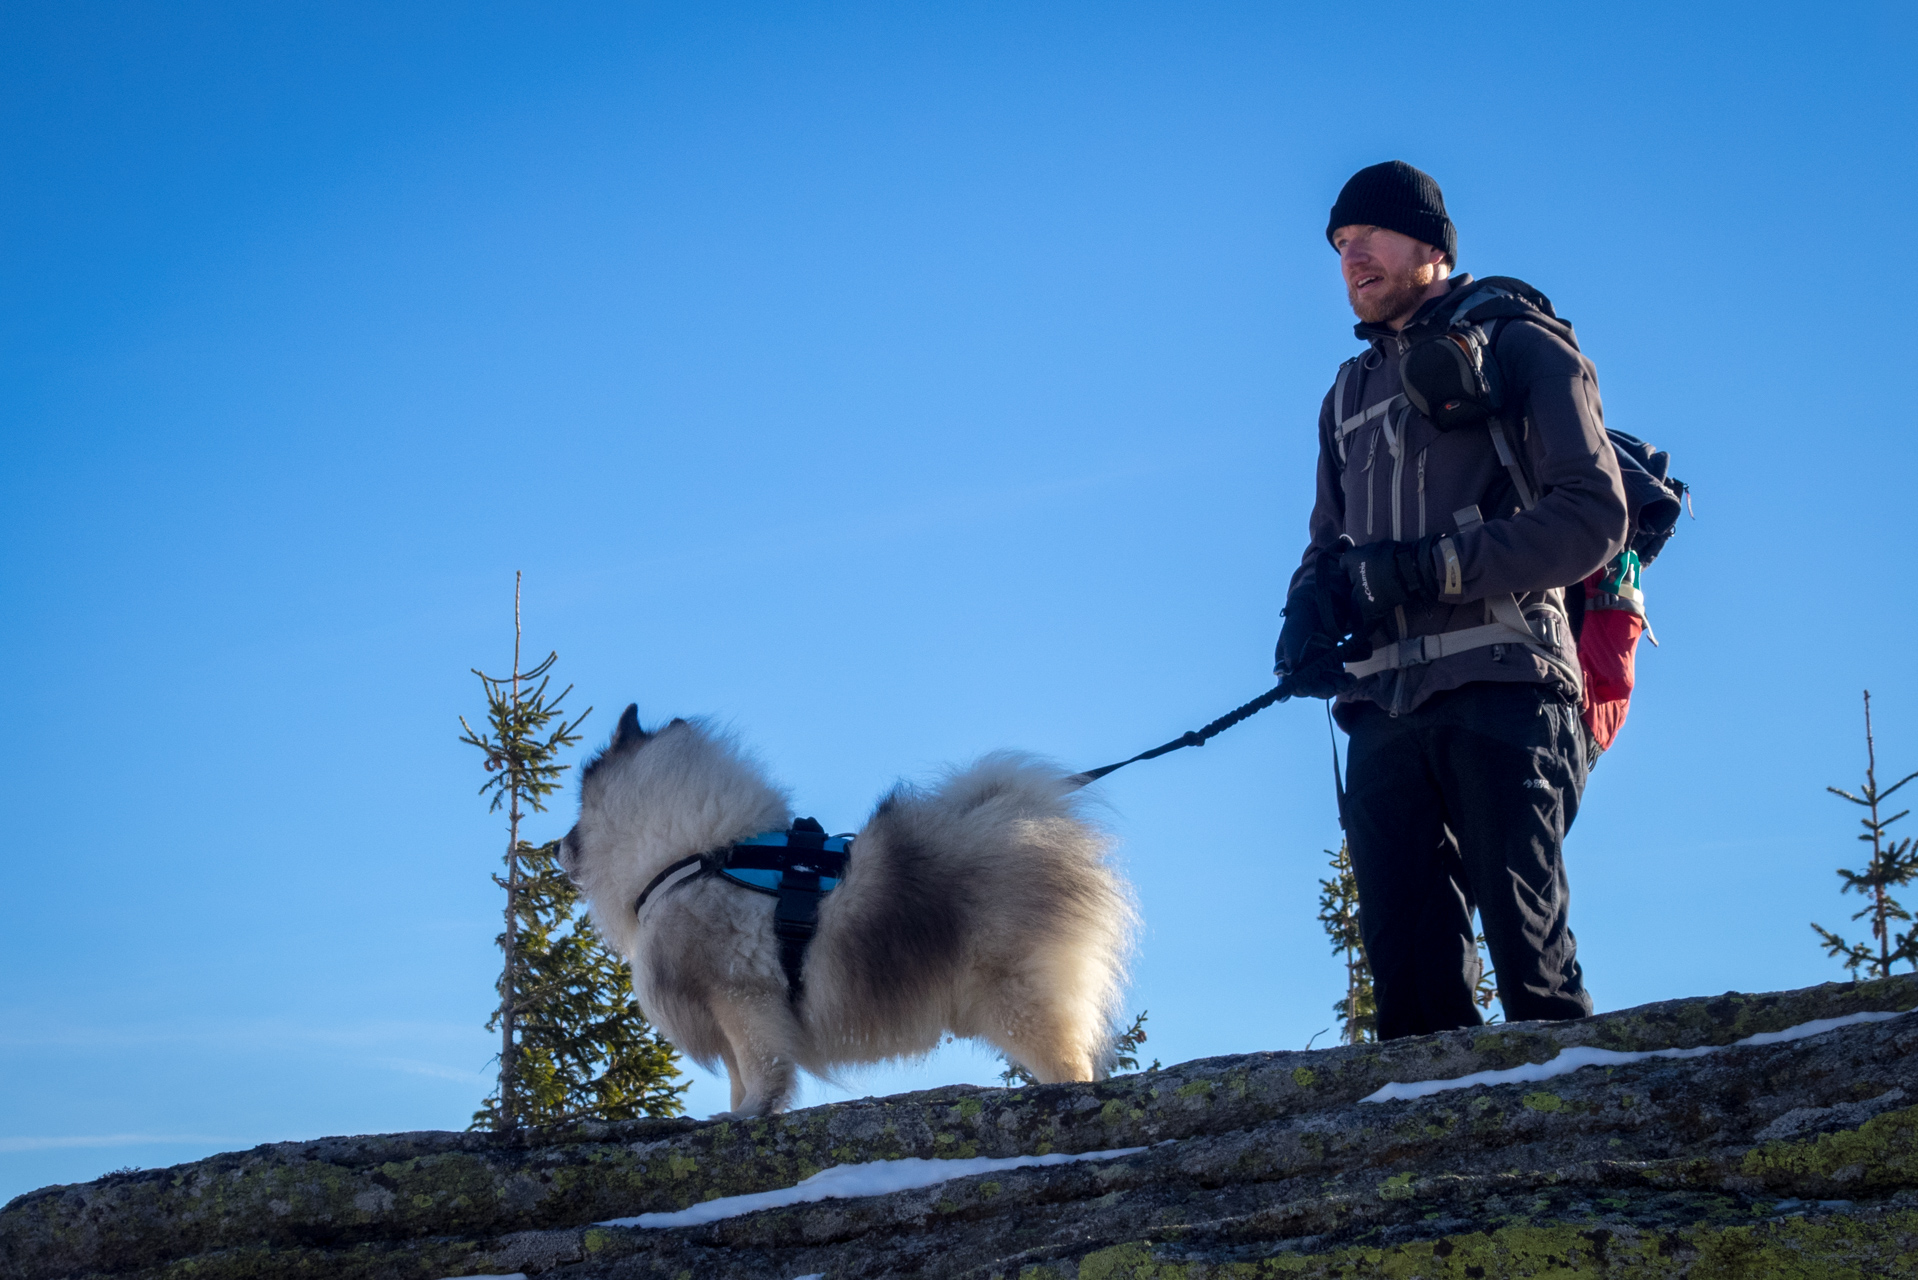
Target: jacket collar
[(1378, 335)]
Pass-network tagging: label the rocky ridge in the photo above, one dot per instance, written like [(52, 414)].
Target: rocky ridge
[(1792, 1158)]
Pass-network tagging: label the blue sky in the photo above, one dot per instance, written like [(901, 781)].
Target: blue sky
[(893, 383)]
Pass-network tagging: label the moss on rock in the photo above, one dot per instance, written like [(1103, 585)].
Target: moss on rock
[(1834, 1247), (1261, 1164)]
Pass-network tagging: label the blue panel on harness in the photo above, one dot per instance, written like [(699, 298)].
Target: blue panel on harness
[(797, 839), (775, 860), (767, 879)]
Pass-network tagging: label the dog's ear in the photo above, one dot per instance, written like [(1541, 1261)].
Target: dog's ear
[(628, 735), (569, 852)]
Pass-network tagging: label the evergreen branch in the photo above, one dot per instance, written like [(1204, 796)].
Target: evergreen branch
[(1855, 953), (534, 674), (1894, 786)]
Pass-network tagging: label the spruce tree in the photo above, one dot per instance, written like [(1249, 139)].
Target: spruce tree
[(573, 1043), (1339, 914), (1893, 864), (1487, 989)]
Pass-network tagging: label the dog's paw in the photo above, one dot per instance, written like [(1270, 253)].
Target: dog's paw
[(736, 1115)]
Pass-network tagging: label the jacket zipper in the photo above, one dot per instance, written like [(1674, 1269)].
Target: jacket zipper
[(1395, 441), (1371, 503), (1421, 493)]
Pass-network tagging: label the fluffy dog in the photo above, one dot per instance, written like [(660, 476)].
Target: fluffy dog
[(984, 906)]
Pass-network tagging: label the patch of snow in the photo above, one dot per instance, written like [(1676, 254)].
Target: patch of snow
[(1570, 1060), (844, 1181), (1804, 1029)]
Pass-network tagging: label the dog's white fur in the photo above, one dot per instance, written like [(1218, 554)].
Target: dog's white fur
[(984, 906)]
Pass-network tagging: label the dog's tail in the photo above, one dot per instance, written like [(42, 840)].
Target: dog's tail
[(1026, 828)]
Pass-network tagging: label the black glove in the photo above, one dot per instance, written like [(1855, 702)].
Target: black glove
[(1321, 673), (1384, 575), (1309, 655)]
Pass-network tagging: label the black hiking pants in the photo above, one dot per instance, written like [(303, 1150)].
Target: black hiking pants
[(1465, 802)]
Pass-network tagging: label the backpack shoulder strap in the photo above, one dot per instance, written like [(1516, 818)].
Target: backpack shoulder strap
[(1338, 404), (1492, 303), (1508, 458), (1487, 301), (1513, 287), (1338, 389)]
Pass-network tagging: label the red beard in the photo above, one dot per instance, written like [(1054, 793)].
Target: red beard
[(1393, 297)]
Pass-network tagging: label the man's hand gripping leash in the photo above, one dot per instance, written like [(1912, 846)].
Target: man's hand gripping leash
[(1323, 630)]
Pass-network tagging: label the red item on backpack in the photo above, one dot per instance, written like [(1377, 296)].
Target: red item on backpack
[(1607, 645)]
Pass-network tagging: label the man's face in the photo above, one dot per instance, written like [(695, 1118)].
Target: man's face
[(1386, 272)]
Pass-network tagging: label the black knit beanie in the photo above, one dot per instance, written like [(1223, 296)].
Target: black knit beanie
[(1399, 198)]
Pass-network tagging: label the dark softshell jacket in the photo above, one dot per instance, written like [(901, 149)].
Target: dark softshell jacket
[(1402, 478)]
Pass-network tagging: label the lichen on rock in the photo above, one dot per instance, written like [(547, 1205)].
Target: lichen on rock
[(1794, 1158)]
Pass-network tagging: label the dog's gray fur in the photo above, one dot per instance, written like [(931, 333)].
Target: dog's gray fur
[(984, 906)]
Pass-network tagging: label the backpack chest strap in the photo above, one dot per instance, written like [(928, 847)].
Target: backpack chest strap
[(1423, 649), (1508, 625), (1348, 425)]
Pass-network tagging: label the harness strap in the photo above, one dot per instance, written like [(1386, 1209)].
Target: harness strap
[(795, 920), (806, 861), (698, 858), (809, 864)]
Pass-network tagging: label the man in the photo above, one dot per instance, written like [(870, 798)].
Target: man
[(1467, 756)]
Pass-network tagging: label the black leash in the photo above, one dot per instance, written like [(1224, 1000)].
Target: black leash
[(1194, 737)]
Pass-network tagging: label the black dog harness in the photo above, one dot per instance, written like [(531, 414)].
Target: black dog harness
[(798, 866)]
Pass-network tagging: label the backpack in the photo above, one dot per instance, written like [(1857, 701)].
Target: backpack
[(1611, 603), (1449, 378)]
